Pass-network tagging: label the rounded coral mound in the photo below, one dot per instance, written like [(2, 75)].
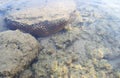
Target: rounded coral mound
[(48, 17), (17, 50)]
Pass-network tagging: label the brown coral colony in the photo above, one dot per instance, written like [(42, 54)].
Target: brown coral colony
[(40, 29)]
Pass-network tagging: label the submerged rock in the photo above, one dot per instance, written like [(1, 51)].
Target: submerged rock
[(43, 18), (17, 50)]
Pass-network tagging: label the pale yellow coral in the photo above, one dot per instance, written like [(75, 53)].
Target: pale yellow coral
[(64, 69), (54, 66), (77, 67)]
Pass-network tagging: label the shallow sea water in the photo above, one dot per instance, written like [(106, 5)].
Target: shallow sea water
[(99, 17), (110, 23)]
